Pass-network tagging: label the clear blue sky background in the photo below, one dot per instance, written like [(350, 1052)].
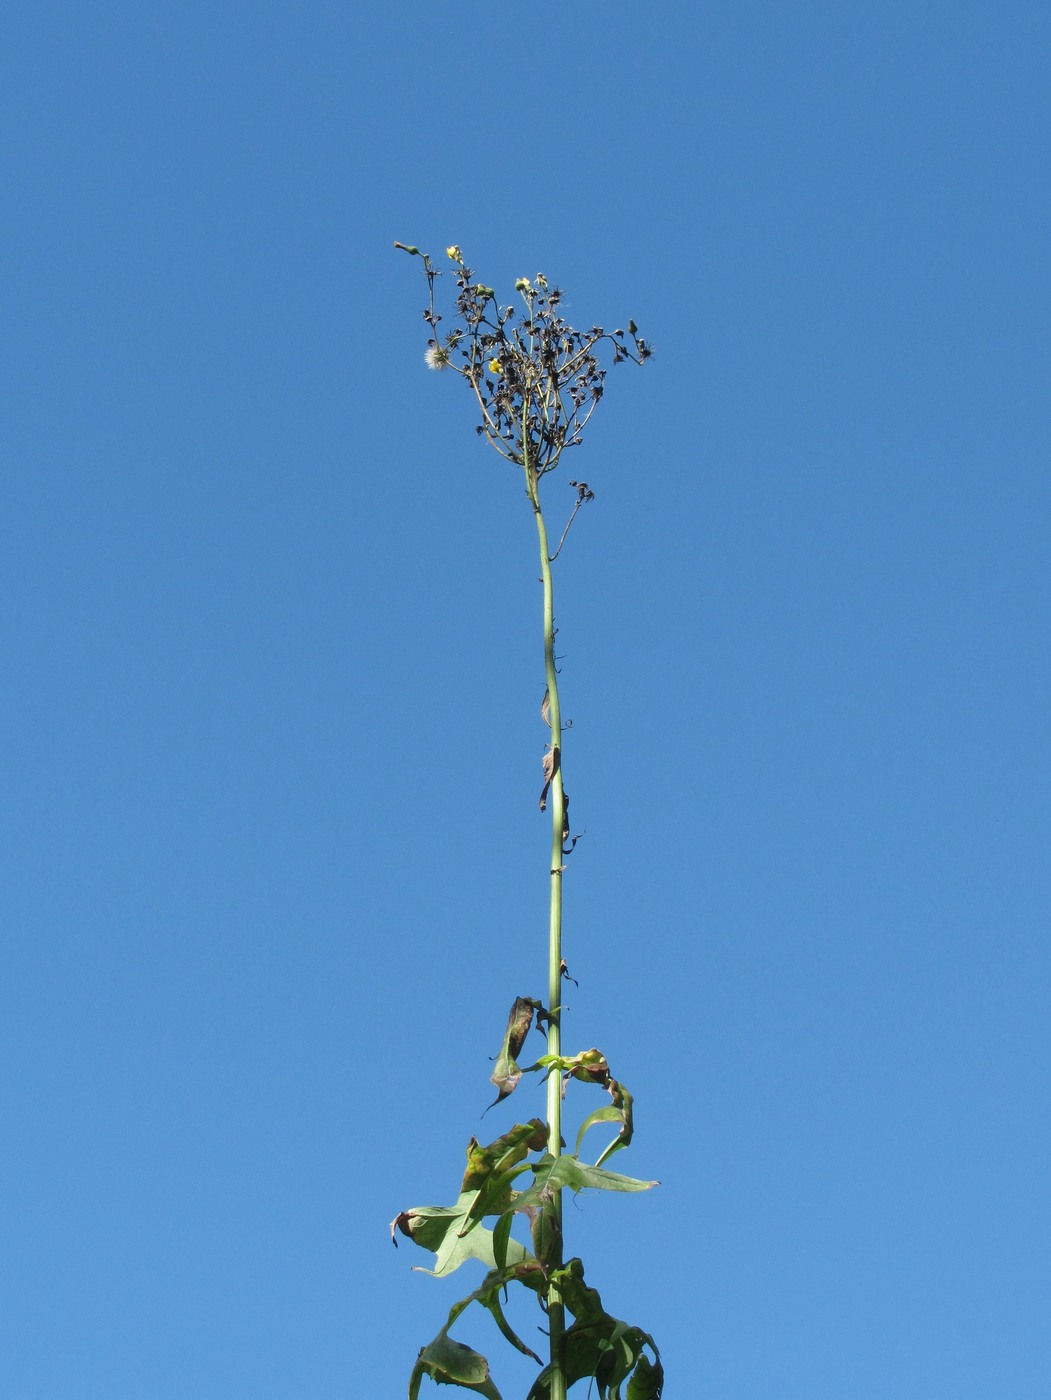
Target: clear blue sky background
[(273, 866)]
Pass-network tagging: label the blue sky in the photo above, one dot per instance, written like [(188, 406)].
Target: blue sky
[(273, 868)]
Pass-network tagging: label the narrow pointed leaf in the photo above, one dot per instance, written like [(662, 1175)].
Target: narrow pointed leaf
[(601, 1115), (623, 1107), (502, 1238), (566, 1172), (492, 1302)]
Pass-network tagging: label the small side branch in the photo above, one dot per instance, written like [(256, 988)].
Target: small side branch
[(584, 494)]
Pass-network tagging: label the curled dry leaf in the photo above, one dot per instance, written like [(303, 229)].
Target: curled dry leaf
[(551, 765), (507, 1073)]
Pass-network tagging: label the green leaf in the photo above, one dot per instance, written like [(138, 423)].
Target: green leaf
[(583, 1302), (609, 1114), (504, 1152), (647, 1380), (454, 1233), (545, 1230), (502, 1238), (489, 1296), (450, 1233), (607, 1361), (588, 1065), (591, 1067), (492, 1170), (554, 1173), (451, 1363), (601, 1348)]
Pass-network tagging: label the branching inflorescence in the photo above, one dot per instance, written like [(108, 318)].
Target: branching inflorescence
[(537, 380)]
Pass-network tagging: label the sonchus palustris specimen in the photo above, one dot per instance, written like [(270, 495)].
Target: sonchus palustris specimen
[(536, 381)]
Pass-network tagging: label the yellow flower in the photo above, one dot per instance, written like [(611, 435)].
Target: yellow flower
[(453, 253), (522, 285), (494, 366)]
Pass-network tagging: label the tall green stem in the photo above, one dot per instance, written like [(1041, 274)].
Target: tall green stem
[(555, 1310)]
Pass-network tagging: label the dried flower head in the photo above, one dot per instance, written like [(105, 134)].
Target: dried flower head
[(537, 379)]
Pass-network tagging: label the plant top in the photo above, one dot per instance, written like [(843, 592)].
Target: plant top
[(537, 379)]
